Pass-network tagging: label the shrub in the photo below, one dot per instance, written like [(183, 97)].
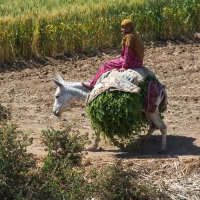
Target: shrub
[(15, 162), (64, 146), (114, 182), (65, 151)]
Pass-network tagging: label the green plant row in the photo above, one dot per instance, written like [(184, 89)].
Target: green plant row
[(47, 28)]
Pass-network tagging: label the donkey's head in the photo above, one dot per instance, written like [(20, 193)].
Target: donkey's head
[(62, 97), (65, 92)]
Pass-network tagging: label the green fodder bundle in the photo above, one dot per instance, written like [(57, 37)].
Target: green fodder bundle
[(118, 114)]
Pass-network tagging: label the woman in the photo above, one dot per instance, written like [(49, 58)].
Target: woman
[(132, 53)]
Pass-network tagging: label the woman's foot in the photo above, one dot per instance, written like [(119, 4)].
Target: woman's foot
[(87, 85)]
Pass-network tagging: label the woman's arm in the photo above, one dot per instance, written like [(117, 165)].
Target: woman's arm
[(128, 56)]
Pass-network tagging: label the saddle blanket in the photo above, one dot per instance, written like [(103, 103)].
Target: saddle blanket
[(156, 94)]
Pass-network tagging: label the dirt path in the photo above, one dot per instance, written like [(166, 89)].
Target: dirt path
[(28, 90)]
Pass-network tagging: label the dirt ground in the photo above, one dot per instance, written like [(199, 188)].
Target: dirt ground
[(27, 88)]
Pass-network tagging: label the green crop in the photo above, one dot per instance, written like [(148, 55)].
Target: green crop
[(46, 28)]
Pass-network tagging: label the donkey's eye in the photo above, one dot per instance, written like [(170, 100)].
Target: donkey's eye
[(57, 96)]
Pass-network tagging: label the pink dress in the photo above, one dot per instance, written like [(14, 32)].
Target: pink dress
[(127, 60)]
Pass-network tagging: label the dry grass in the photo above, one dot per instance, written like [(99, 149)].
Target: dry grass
[(179, 177)]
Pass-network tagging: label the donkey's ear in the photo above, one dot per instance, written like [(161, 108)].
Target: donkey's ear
[(58, 83), (60, 79)]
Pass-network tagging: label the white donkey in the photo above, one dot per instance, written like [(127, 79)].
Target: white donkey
[(69, 90)]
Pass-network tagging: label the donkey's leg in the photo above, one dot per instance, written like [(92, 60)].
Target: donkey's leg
[(152, 128), (157, 121), (96, 142)]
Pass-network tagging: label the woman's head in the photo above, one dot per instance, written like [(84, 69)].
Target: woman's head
[(127, 26)]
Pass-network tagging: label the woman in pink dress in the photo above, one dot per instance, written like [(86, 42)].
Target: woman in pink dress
[(132, 53)]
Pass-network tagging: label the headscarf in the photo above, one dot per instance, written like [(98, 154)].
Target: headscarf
[(133, 39)]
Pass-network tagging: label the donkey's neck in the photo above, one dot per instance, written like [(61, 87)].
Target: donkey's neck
[(76, 90)]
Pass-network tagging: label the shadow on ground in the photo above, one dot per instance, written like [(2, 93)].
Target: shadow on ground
[(176, 146)]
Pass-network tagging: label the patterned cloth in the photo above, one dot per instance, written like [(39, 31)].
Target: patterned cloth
[(126, 81), (128, 60), (151, 99)]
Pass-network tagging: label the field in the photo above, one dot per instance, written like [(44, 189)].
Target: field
[(47, 28), (27, 88)]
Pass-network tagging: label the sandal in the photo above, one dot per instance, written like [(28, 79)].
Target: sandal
[(87, 85)]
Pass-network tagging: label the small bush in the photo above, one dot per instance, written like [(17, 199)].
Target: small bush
[(64, 145), (65, 151), (114, 182), (15, 162)]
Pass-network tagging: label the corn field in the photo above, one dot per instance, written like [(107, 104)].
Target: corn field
[(49, 27)]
